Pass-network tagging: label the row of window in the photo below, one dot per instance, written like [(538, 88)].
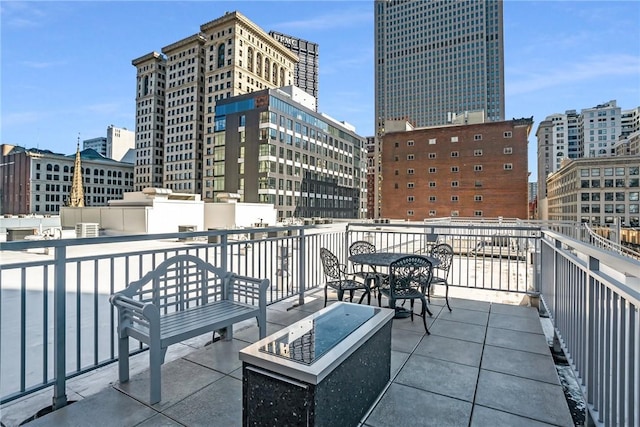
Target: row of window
[(476, 198), (476, 168), (410, 212), (85, 171), (609, 196), (619, 171), (610, 183), (476, 137), (610, 208), (476, 153)]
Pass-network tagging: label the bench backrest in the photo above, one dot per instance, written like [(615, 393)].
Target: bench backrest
[(180, 282)]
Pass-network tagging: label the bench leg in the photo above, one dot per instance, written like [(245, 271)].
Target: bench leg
[(123, 359), (155, 363), (226, 333), (262, 327)]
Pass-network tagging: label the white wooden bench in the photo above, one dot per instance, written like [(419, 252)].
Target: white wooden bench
[(182, 298)]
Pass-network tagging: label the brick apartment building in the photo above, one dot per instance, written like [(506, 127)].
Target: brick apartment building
[(473, 170)]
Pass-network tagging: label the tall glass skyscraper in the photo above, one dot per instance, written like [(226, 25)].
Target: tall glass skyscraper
[(436, 58)]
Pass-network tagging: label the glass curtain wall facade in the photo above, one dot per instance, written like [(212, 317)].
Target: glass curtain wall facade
[(269, 149)]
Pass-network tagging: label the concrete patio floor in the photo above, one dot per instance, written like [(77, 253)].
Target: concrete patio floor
[(485, 364)]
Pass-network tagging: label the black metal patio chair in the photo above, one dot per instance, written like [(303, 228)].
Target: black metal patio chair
[(408, 278), (339, 279), (443, 252), (368, 273)]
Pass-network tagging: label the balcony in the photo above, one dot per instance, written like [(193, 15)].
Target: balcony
[(486, 363)]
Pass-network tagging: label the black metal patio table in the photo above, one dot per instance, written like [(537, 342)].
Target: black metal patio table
[(384, 259)]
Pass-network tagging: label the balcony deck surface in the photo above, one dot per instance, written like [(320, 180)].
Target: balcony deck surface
[(486, 363)]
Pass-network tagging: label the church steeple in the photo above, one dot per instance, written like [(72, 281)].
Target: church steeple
[(76, 200)]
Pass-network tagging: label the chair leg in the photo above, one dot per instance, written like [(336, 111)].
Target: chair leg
[(446, 294), (325, 295), (364, 293), (424, 318), (351, 295), (340, 294)]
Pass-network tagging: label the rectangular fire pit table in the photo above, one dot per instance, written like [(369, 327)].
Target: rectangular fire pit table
[(324, 370)]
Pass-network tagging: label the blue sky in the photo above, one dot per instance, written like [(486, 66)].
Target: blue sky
[(66, 66)]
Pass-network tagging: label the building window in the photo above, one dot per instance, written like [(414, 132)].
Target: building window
[(432, 198), (508, 166), (396, 158), (432, 141), (432, 184), (477, 213), (454, 183), (410, 143), (432, 155), (477, 153), (455, 213), (477, 198), (410, 171), (508, 134), (432, 213), (454, 139), (410, 184), (477, 168), (454, 198), (455, 154), (432, 170), (396, 172), (455, 169), (507, 150), (477, 137), (410, 199), (409, 213), (410, 157)]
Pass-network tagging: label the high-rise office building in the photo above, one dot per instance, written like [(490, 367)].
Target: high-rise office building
[(436, 59), (306, 69), (178, 89), (150, 109)]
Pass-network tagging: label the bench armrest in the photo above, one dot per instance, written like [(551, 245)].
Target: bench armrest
[(249, 290), (132, 313), (121, 301)]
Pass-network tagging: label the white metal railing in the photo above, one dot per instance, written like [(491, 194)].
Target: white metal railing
[(55, 311), (593, 297), (54, 303), (604, 243)]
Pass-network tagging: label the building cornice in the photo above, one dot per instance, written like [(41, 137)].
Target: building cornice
[(149, 56), (240, 19), (196, 38)]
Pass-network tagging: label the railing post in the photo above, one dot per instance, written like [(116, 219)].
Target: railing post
[(59, 328), (302, 263), (224, 247)]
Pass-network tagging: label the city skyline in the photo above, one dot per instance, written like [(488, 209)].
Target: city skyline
[(78, 79)]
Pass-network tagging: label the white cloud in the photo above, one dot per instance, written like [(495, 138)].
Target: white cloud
[(573, 73), (21, 14), (19, 119), (330, 21), (42, 64)]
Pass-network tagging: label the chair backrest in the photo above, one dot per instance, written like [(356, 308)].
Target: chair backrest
[(361, 247), (443, 252), (330, 264), (410, 272)]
